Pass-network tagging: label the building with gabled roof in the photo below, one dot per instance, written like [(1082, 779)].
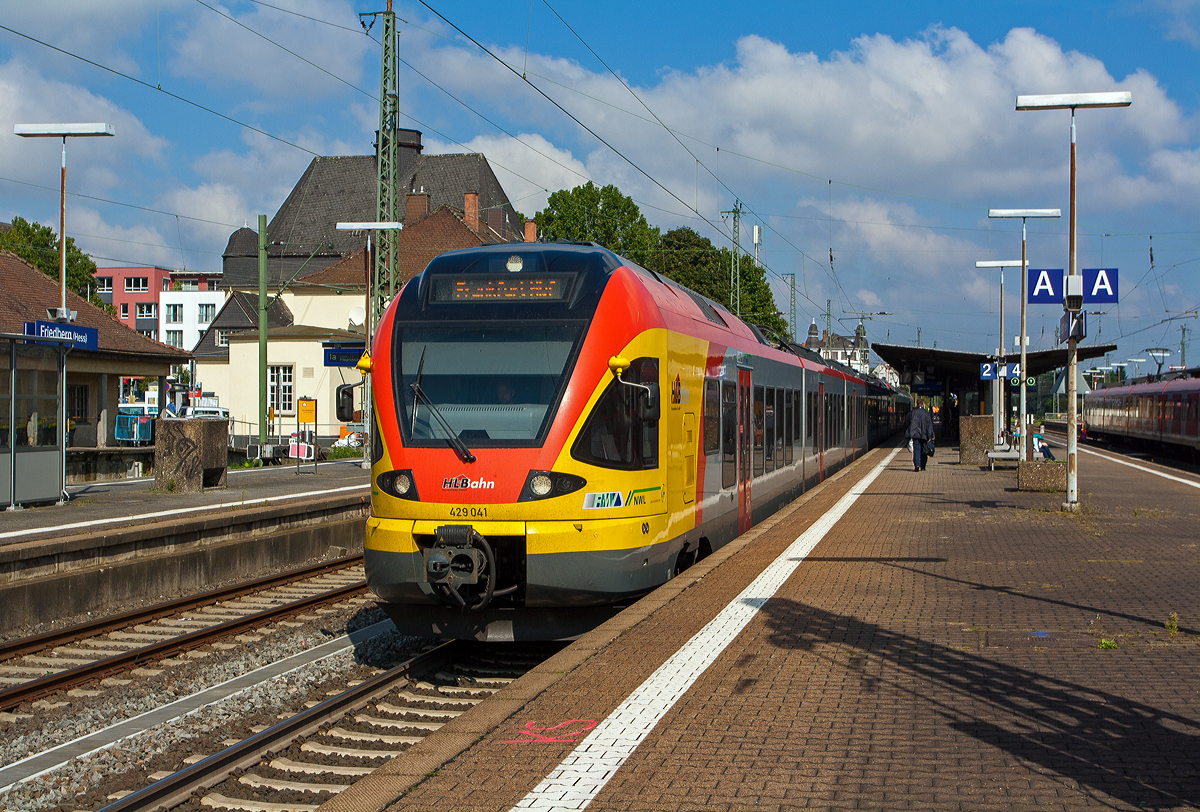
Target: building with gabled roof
[(303, 236), (93, 376)]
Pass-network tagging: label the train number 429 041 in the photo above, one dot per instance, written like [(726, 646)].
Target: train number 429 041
[(468, 513)]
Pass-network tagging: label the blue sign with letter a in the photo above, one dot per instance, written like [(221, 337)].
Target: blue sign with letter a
[(1046, 286), (1100, 286)]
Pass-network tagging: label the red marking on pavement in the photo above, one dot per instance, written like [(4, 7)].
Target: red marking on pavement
[(536, 736)]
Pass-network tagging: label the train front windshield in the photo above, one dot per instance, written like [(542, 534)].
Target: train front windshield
[(494, 384)]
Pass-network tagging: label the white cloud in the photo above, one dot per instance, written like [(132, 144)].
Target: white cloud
[(216, 50), (529, 168)]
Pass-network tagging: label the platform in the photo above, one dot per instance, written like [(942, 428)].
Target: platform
[(947, 643), (105, 505)]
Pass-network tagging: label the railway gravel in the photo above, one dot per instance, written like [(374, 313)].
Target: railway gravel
[(134, 760)]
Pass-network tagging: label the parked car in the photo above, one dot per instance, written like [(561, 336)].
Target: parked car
[(217, 412)]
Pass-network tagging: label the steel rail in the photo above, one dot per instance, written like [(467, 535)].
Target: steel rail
[(61, 637), (52, 683), (178, 787)]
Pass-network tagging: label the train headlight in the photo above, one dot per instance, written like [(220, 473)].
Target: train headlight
[(540, 485), (547, 484), (399, 484)]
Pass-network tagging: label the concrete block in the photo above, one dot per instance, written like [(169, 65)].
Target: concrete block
[(974, 439), (1042, 475), (190, 455)]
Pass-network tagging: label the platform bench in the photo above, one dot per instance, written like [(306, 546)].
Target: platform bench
[(1015, 456)]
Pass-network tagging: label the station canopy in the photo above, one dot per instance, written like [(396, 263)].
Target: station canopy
[(947, 364)]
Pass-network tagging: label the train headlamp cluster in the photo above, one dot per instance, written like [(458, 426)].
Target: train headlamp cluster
[(399, 484), (548, 484)]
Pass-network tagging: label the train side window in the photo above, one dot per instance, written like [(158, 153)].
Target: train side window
[(615, 436), (729, 435), (712, 416), (788, 412), (797, 419), (758, 430)]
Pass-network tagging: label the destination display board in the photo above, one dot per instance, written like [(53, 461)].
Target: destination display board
[(545, 288)]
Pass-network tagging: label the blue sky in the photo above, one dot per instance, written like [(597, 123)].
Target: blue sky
[(882, 133)]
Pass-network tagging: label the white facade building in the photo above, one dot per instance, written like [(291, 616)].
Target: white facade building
[(184, 315)]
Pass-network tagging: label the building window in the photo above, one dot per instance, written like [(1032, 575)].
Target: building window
[(174, 313), (279, 388), (104, 284), (208, 312), (124, 310), (222, 338), (188, 284), (166, 283), (137, 284), (175, 338), (214, 284), (146, 310), (77, 401), (149, 334)]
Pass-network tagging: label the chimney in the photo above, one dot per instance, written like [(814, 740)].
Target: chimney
[(530, 231), (416, 206), (471, 210)]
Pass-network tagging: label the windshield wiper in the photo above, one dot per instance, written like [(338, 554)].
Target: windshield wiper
[(420, 396)]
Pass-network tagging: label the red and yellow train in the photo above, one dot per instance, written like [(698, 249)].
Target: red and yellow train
[(558, 431)]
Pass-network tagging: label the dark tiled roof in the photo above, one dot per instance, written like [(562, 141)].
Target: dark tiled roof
[(28, 292), (240, 312), (343, 189), (419, 242)]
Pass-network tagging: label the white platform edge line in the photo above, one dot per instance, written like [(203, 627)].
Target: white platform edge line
[(140, 517), (578, 779), (1119, 461)]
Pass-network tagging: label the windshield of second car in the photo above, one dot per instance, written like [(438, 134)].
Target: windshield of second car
[(494, 384)]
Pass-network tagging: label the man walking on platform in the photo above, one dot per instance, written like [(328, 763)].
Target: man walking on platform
[(919, 431)]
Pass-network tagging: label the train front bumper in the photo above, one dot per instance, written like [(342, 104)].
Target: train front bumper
[(571, 564)]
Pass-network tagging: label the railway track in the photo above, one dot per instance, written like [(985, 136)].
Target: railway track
[(35, 668), (309, 757)]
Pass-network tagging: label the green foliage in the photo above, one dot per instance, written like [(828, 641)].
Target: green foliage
[(601, 215), (38, 245), (694, 262)]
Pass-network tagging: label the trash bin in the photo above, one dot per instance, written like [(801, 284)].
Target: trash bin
[(190, 455)]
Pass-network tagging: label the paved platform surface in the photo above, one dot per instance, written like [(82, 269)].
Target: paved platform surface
[(132, 502), (950, 643)]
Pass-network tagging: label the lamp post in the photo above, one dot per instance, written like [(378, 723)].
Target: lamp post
[(1120, 367), (372, 301), (1135, 362), (1072, 101), (1024, 214), (63, 131), (998, 427)]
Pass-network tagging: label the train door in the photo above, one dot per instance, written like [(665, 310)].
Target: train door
[(744, 440), (820, 436)]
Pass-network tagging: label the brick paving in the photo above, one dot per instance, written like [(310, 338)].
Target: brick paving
[(939, 649)]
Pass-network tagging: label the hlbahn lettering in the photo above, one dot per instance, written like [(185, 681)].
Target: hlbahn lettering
[(463, 483)]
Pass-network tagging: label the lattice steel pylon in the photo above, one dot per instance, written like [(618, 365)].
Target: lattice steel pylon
[(387, 195)]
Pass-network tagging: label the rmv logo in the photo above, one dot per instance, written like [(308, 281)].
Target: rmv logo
[(464, 483), (593, 501)]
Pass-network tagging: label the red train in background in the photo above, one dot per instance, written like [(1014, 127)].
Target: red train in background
[(1164, 413)]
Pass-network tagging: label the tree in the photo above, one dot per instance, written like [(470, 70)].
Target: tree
[(38, 245), (692, 261), (601, 215)]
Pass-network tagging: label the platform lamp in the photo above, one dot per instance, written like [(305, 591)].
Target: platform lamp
[(1024, 214), (63, 131), (1120, 367), (372, 318), (998, 427), (1072, 101), (1135, 362)]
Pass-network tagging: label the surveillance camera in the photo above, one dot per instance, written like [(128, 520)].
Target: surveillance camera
[(1074, 294)]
